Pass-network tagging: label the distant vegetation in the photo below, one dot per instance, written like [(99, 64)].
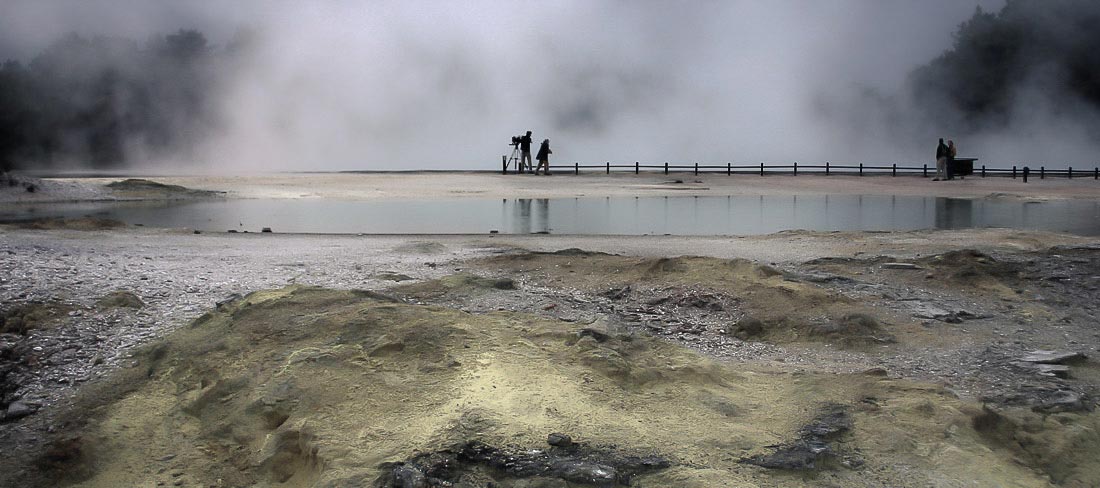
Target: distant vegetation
[(95, 100), (1048, 47)]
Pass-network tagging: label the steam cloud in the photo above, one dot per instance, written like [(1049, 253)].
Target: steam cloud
[(411, 85)]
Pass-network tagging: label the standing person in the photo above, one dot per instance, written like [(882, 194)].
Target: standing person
[(525, 150), (941, 161), (544, 157), (950, 159)]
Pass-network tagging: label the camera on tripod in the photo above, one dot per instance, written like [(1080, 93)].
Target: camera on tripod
[(516, 140)]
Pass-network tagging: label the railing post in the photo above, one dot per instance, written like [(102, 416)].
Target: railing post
[(983, 171), (1042, 172), (1096, 173), (761, 169), (1014, 171), (696, 169), (826, 168), (729, 169), (1069, 172), (636, 167), (925, 170), (861, 169), (576, 168), (609, 167), (796, 168), (666, 167), (1026, 171), (894, 170), (504, 164)]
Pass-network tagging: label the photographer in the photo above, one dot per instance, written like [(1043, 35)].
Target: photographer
[(525, 150), (544, 157)]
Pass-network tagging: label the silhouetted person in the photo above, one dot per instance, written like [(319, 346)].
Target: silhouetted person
[(950, 160), (525, 149), (941, 161), (544, 157)]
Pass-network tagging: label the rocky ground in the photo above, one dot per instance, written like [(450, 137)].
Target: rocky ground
[(133, 356), (963, 312)]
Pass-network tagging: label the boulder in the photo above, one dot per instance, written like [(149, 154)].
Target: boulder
[(1053, 357)]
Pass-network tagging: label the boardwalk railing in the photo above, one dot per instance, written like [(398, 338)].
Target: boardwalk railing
[(827, 169)]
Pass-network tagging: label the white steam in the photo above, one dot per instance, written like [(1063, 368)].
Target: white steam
[(443, 85)]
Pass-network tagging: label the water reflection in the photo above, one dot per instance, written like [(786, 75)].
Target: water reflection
[(527, 221), (725, 215), (954, 213)]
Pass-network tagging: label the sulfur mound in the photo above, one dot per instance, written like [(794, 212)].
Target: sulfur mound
[(303, 387)]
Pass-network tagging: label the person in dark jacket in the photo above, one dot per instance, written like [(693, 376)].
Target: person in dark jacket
[(544, 157), (941, 161), (951, 160), (525, 150)]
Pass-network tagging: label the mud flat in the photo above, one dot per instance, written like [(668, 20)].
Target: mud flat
[(368, 186), (146, 357)]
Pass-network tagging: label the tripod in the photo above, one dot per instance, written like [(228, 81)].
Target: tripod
[(515, 157)]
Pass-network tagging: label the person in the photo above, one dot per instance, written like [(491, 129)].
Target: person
[(950, 159), (941, 161), (544, 157), (525, 153)]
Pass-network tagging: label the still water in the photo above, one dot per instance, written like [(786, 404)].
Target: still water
[(737, 215)]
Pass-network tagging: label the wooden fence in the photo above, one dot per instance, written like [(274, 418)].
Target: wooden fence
[(827, 169)]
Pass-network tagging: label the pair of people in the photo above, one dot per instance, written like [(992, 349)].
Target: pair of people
[(543, 155), (945, 161)]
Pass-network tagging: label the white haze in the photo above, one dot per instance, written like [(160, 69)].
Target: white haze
[(443, 85)]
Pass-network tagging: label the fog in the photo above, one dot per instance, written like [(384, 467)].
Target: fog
[(443, 85)]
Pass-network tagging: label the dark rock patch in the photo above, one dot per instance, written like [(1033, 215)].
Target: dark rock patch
[(388, 276), (1044, 399), (748, 328), (22, 318), (853, 327), (120, 299), (567, 461), (617, 293), (572, 251), (815, 446)]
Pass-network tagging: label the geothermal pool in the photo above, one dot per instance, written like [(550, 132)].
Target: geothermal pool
[(677, 215)]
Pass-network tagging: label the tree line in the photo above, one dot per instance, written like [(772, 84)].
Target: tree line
[(1049, 46), (95, 100)]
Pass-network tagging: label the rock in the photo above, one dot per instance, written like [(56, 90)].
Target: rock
[(933, 312), (824, 278), (1057, 370), (409, 477), (585, 472), (813, 444), (796, 457), (559, 440), (879, 372), (17, 410), (748, 327), (120, 299), (1053, 357), (390, 276), (900, 266), (833, 422), (617, 293), (504, 284), (599, 336), (1063, 401), (1045, 399)]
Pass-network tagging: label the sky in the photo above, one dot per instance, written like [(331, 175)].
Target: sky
[(366, 85)]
